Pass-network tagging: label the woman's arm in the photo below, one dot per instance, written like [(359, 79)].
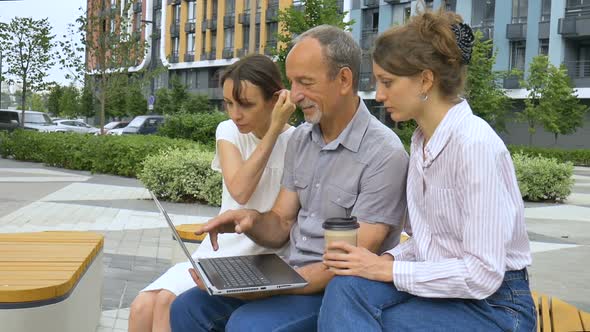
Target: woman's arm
[(242, 176)]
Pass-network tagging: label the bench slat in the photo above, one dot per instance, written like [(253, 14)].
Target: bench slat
[(565, 316), (45, 265), (585, 318), (535, 296), (546, 325)]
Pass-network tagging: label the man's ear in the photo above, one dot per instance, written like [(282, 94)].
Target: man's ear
[(345, 78)]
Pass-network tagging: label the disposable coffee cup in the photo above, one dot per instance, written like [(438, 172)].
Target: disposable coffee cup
[(342, 230)]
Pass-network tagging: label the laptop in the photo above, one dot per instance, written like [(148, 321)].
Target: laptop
[(239, 274)]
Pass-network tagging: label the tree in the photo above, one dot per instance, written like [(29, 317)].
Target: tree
[(53, 99), (69, 102), (6, 100), (135, 101), (483, 90), (536, 84), (87, 101), (294, 21), (564, 112), (28, 45), (196, 104), (111, 46)]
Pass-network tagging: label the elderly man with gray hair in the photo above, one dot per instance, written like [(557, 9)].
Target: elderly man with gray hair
[(342, 162)]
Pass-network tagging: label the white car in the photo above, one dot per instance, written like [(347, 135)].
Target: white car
[(75, 126), (115, 127)]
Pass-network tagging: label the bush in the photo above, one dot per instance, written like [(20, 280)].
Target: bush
[(118, 155), (579, 157), (196, 127), (182, 176), (541, 179)]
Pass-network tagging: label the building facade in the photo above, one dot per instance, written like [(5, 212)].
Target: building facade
[(195, 39)]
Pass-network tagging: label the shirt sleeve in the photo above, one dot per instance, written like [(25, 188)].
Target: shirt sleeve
[(489, 215), (226, 131), (382, 194), (404, 251)]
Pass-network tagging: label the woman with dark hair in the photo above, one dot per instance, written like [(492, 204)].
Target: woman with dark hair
[(464, 266), (250, 153)]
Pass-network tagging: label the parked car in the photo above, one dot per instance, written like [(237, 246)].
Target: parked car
[(144, 125), (38, 121), (75, 126), (8, 120), (115, 127)]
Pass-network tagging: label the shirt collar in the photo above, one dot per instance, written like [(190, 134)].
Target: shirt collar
[(442, 133), (352, 136)]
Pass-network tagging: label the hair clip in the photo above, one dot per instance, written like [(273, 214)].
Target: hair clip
[(465, 40)]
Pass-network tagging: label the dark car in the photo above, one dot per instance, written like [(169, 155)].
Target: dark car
[(8, 120), (144, 125), (37, 121)]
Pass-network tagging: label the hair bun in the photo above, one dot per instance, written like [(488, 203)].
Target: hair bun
[(465, 40)]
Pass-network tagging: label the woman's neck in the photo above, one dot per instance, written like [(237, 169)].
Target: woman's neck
[(432, 116)]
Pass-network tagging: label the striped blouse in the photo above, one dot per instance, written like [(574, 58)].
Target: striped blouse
[(466, 215)]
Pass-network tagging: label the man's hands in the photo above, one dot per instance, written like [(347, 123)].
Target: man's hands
[(231, 221), (358, 261)]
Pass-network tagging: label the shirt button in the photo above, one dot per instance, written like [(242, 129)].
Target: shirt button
[(304, 238), (317, 185), (295, 181), (338, 199), (313, 214)]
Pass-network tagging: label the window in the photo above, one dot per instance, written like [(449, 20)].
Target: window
[(190, 41), (544, 46), (213, 40), (246, 6), (246, 36), (203, 38), (192, 11), (371, 19), (517, 53), (257, 36), (175, 46), (450, 5), (271, 31), (545, 10), (230, 7), (158, 19), (228, 36), (190, 79), (519, 11), (407, 14), (176, 14), (214, 10), (483, 13)]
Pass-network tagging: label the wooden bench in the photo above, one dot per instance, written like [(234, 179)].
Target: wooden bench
[(50, 281), (555, 315)]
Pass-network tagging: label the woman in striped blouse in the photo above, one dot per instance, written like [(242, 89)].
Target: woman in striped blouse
[(464, 267)]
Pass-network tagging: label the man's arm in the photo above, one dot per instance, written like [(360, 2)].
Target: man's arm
[(271, 229)]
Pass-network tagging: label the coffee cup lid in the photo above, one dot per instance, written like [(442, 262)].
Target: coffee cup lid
[(341, 223)]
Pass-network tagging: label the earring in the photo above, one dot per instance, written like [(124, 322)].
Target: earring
[(424, 97)]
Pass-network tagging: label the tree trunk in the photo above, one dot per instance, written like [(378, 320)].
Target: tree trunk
[(102, 103), (555, 136), (23, 100)]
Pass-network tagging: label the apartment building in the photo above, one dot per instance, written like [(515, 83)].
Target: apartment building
[(196, 39)]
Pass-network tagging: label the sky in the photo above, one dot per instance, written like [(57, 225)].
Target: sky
[(60, 13)]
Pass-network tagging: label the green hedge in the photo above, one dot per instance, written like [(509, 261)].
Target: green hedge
[(579, 157), (182, 176), (196, 127), (543, 179), (110, 154)]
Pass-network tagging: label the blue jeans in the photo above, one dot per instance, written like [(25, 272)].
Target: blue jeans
[(195, 310), (358, 304)]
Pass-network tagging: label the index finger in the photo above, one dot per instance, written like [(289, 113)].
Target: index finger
[(217, 222), (342, 246)]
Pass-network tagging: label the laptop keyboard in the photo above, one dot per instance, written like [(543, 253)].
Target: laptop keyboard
[(238, 271)]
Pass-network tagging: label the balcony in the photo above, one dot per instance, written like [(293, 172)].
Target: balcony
[(371, 3), (229, 20), (190, 0), (511, 82), (204, 56), (486, 30), (173, 2), (396, 2), (544, 30), (227, 53), (175, 30), (516, 31), (579, 72), (572, 27), (257, 19), (244, 18), (157, 4), (189, 57), (189, 27), (242, 52), (137, 7), (212, 54), (174, 58), (366, 82), (212, 24), (272, 14), (368, 39)]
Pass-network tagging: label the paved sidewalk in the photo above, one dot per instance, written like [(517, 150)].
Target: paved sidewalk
[(139, 246)]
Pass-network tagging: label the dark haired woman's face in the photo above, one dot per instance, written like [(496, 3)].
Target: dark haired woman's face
[(251, 113), (399, 94)]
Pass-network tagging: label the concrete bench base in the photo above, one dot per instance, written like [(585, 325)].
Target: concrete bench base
[(78, 312)]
